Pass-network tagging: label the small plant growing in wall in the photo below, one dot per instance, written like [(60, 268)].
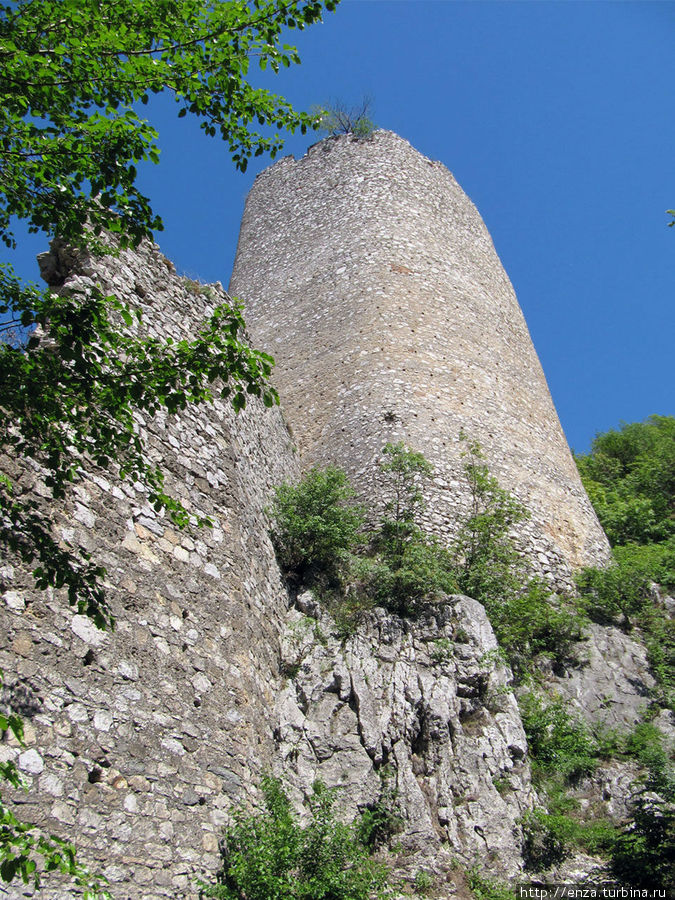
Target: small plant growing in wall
[(338, 118), (381, 821), (441, 651), (484, 888), (424, 881), (406, 470)]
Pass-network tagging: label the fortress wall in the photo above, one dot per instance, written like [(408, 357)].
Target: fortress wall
[(140, 740), (370, 277)]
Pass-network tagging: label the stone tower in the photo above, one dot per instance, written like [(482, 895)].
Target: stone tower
[(371, 278)]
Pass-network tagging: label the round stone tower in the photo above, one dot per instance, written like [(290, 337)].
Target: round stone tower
[(370, 277)]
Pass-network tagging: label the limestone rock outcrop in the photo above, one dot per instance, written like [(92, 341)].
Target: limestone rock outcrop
[(422, 706)]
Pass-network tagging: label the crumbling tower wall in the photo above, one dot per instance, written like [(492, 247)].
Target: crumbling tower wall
[(371, 278)]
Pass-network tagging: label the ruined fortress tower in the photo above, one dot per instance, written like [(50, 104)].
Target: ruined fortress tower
[(370, 277)]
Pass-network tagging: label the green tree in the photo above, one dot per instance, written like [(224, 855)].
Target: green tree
[(73, 76), (644, 851), (316, 524), (74, 71), (272, 856), (630, 478), (411, 565), (619, 592), (489, 567)]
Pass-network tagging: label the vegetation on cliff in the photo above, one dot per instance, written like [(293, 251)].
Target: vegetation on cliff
[(531, 624), (272, 855), (629, 475), (322, 542), (630, 478)]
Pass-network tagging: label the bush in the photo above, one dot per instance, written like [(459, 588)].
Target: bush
[(656, 561), (316, 523), (405, 471), (422, 571), (424, 882), (559, 743), (317, 527), (410, 566), (528, 620), (630, 478), (644, 850), (647, 745), (643, 853), (659, 635), (271, 856), (546, 839), (534, 622), (550, 837), (614, 595), (484, 888)]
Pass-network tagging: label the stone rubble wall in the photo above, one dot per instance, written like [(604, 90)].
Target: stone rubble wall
[(370, 277), (140, 740)]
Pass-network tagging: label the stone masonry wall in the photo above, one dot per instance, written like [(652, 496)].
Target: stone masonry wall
[(140, 740), (370, 277)]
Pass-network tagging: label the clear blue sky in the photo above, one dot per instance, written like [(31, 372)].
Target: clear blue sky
[(556, 119)]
